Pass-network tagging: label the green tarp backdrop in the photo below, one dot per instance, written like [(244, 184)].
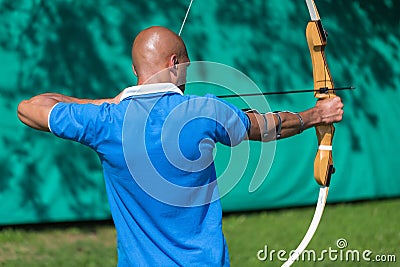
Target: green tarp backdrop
[(82, 48)]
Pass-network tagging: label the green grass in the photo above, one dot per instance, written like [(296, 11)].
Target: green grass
[(365, 226), (58, 246)]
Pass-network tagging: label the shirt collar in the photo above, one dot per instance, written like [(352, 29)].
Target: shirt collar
[(152, 88)]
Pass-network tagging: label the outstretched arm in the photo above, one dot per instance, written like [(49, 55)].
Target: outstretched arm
[(264, 126), (35, 111)]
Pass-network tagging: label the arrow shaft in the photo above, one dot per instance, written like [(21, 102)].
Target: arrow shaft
[(287, 92)]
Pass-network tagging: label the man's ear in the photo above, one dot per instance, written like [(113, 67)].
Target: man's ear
[(173, 61), (134, 70)]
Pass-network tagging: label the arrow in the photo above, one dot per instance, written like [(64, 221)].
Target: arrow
[(321, 91)]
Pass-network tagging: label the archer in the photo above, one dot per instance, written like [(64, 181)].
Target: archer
[(164, 205)]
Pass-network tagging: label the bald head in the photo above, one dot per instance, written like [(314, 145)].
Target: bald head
[(156, 49)]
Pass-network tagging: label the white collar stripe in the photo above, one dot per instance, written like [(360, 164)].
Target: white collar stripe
[(153, 88)]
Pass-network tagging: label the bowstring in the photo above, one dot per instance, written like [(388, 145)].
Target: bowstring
[(184, 20)]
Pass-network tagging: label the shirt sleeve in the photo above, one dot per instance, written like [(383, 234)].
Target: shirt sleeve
[(75, 122), (232, 123)]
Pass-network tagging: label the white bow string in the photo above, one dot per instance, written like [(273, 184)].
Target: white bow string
[(184, 20)]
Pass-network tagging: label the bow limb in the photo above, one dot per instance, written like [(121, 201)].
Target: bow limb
[(319, 210)]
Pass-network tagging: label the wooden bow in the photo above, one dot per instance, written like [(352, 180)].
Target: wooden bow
[(323, 84), (316, 39)]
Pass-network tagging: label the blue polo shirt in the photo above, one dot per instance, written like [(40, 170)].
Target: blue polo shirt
[(156, 150)]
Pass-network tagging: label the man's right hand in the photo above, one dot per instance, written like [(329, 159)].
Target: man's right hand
[(35, 111)]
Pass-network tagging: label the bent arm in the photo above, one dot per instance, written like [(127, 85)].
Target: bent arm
[(35, 111), (264, 127)]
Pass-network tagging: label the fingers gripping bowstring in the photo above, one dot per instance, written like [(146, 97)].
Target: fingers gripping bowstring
[(184, 20)]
